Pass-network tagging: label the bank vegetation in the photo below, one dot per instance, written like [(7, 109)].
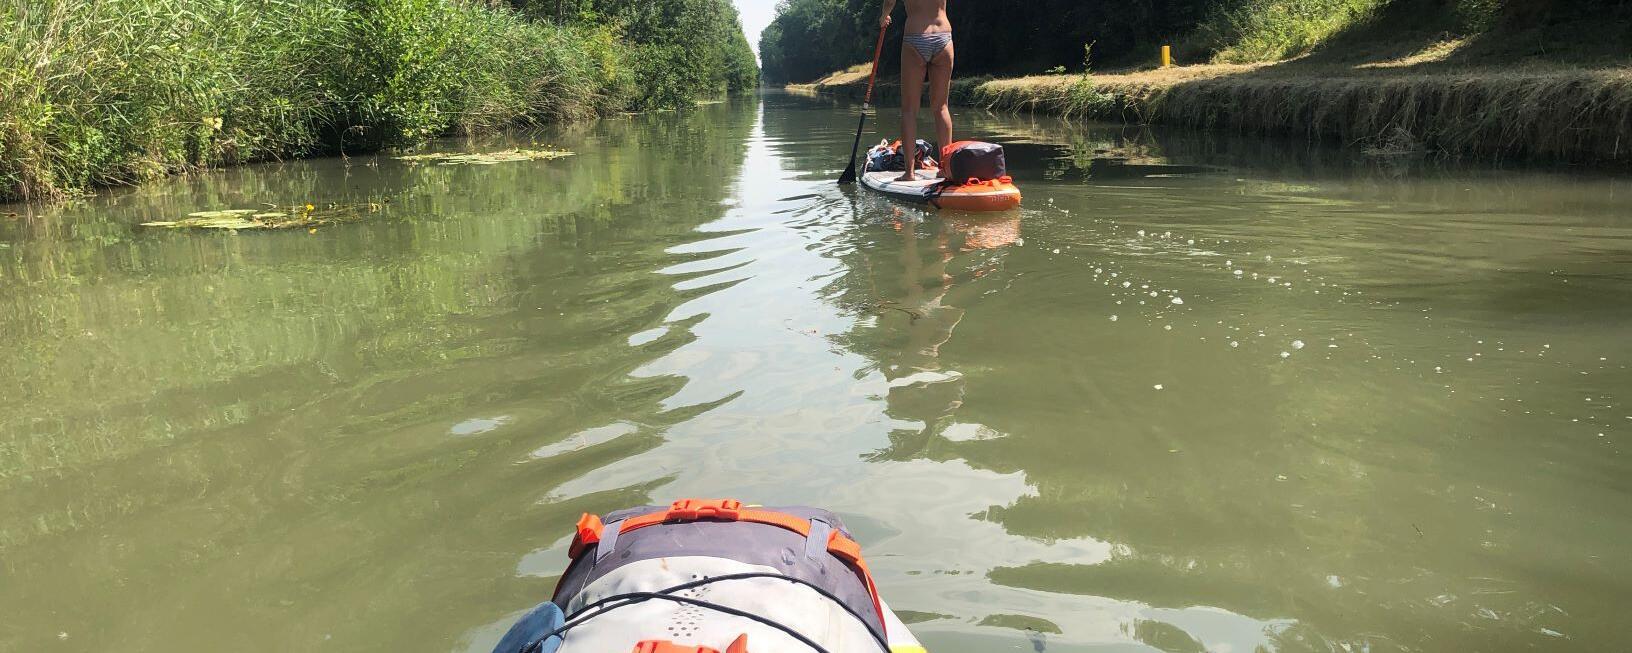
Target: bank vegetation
[(1537, 79), (99, 92)]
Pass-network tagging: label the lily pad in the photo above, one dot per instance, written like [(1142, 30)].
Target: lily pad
[(486, 158), (229, 213), (296, 216)]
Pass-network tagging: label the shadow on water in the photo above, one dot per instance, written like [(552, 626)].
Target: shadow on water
[(218, 438)]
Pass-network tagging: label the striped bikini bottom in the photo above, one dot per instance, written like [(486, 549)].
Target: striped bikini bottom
[(929, 44)]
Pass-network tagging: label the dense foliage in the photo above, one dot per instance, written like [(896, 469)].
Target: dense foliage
[(117, 91), (682, 50), (810, 38)]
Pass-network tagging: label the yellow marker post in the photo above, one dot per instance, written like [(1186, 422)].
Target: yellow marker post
[(1167, 56)]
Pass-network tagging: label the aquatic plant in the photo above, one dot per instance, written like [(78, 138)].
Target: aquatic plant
[(271, 217), (485, 158)]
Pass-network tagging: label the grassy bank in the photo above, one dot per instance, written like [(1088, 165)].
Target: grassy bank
[(1530, 79), (1485, 78), (1558, 114), (105, 92)]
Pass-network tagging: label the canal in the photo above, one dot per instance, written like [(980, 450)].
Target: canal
[(1201, 393)]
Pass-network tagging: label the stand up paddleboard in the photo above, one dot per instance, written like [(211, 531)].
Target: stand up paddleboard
[(978, 172), (994, 195)]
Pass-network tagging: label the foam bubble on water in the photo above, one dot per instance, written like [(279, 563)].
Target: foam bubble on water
[(1099, 270), (1159, 387), (1234, 344), (1286, 354), (1229, 263), (1268, 258), (1297, 344), (1239, 273), (1126, 284), (1167, 327), (1113, 318), (1153, 293), (1056, 250), (1192, 241), (1178, 300)]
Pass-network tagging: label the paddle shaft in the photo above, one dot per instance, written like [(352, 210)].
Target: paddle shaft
[(878, 51)]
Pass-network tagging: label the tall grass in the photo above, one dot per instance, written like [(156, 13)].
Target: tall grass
[(112, 91), (1270, 30), (96, 92), (1579, 115)]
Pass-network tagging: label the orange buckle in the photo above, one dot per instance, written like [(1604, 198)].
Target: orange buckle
[(665, 646), (589, 532), (695, 509)]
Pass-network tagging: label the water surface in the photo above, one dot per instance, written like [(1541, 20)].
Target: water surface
[(1201, 393)]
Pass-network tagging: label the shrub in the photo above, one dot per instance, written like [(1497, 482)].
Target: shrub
[(119, 91)]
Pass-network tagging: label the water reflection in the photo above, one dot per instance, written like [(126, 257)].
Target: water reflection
[(216, 438), (1068, 428)]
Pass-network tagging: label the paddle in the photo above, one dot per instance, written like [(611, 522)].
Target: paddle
[(849, 176)]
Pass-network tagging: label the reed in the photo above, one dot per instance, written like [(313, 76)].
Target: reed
[(99, 92)]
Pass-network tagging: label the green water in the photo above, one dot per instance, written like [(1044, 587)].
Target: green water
[(1401, 426)]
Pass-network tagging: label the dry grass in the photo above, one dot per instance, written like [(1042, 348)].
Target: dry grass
[(1539, 112)]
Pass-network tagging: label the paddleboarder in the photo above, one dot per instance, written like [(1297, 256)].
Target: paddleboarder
[(926, 51)]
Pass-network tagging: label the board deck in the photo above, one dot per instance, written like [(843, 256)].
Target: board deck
[(885, 182)]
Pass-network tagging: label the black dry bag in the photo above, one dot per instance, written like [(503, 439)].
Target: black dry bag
[(975, 160)]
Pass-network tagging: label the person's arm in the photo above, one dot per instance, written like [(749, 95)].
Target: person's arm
[(889, 6)]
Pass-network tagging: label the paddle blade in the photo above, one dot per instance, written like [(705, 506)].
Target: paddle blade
[(849, 176)]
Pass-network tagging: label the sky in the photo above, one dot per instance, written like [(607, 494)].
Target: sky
[(756, 14)]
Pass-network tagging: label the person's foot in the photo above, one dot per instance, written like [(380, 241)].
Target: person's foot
[(908, 176)]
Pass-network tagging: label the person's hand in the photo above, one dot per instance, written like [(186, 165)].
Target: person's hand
[(884, 22)]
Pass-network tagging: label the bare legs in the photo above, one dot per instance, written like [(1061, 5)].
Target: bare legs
[(940, 90), (913, 72), (912, 92)]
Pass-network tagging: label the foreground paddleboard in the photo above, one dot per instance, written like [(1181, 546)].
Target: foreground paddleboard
[(994, 195)]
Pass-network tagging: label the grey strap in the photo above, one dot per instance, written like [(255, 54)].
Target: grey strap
[(609, 539), (816, 544)]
